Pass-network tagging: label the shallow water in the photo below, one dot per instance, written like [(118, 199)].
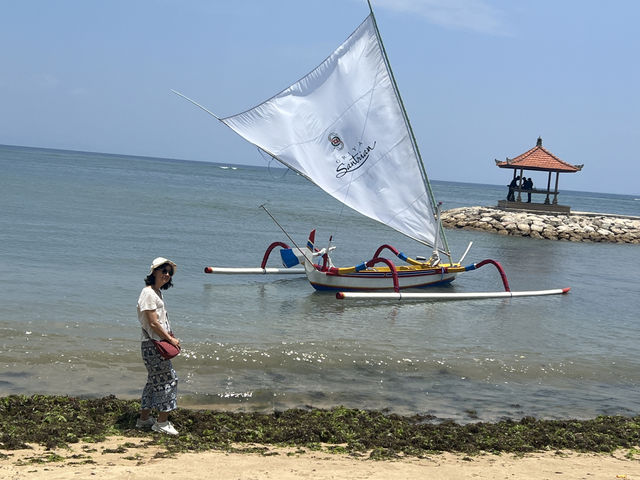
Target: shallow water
[(78, 232)]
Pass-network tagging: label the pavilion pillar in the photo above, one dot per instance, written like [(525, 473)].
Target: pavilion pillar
[(512, 191), (546, 200), (520, 185), (555, 194)]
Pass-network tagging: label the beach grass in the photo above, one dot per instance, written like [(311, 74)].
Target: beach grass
[(56, 421)]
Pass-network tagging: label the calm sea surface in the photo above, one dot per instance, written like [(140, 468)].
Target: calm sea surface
[(79, 230)]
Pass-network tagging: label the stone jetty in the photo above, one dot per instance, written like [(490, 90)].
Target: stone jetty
[(574, 227)]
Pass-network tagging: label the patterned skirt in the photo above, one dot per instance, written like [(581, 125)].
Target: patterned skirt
[(161, 390)]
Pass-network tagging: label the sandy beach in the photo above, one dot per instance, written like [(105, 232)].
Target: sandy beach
[(132, 458)]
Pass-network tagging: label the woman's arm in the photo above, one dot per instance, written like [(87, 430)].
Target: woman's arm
[(152, 317)]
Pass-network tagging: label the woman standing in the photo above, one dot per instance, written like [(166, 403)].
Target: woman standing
[(161, 390)]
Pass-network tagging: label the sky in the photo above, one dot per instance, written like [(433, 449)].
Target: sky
[(480, 79)]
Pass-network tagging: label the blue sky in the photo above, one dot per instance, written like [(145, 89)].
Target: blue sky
[(481, 79)]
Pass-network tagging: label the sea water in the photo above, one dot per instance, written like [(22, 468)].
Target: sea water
[(78, 232)]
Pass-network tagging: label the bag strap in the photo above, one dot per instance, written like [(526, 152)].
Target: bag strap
[(146, 333)]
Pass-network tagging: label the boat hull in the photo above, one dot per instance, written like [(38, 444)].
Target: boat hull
[(369, 280)]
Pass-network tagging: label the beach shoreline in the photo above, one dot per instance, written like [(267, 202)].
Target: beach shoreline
[(58, 437), (133, 458)]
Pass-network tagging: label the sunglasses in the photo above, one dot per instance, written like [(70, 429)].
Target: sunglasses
[(167, 271)]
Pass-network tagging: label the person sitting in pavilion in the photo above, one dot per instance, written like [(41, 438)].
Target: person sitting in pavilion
[(512, 187), (527, 185)]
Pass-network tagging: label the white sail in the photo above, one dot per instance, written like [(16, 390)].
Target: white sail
[(342, 126)]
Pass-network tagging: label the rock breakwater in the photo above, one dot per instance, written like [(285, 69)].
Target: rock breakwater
[(574, 227)]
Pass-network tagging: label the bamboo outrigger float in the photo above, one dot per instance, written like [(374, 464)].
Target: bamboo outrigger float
[(447, 296)]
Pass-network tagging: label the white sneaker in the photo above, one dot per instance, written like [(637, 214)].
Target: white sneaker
[(148, 423), (164, 427)]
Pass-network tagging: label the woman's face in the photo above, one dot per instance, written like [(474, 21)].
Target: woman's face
[(163, 274)]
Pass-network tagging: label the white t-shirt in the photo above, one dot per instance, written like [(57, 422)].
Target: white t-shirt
[(150, 300)]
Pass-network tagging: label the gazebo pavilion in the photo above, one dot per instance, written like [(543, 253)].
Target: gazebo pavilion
[(538, 159)]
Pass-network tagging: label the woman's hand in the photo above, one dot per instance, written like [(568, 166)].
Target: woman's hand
[(174, 341)]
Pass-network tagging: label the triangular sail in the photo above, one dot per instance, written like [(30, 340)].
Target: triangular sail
[(343, 128)]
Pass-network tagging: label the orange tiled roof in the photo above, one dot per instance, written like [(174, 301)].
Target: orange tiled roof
[(539, 158)]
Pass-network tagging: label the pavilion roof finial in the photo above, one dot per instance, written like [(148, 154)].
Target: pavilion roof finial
[(539, 142)]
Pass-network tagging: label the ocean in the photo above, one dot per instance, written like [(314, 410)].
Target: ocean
[(78, 232)]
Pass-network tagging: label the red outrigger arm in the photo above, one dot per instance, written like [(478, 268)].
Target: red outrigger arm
[(503, 275), (269, 250)]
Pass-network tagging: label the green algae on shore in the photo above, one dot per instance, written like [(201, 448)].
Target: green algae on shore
[(55, 421)]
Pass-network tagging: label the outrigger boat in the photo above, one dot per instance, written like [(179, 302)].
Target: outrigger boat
[(344, 128)]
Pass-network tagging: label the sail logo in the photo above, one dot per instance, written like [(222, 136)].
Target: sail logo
[(335, 140), (354, 160)]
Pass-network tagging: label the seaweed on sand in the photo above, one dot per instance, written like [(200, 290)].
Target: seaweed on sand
[(55, 421)]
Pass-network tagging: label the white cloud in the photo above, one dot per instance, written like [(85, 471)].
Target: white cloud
[(474, 15)]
